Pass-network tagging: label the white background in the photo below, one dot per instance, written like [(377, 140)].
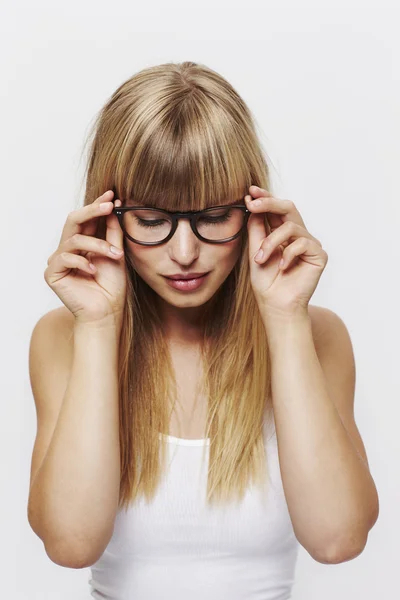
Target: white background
[(322, 80)]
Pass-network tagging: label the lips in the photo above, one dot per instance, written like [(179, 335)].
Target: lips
[(187, 285), (185, 277)]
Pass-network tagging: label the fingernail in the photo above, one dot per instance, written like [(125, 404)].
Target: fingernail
[(259, 255), (115, 250)]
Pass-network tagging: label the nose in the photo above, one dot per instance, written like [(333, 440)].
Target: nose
[(184, 245)]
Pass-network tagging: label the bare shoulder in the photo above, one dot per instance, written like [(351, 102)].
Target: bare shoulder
[(318, 315), (326, 325), (64, 320), (58, 323), (53, 335), (51, 343)]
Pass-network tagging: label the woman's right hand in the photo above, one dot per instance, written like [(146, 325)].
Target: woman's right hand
[(92, 296)]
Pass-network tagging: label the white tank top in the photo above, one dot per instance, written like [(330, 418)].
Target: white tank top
[(176, 548)]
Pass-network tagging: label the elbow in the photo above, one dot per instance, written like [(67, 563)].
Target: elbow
[(70, 554), (69, 557), (58, 551), (347, 546), (337, 556), (343, 551)]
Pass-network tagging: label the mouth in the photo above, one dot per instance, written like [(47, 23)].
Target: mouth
[(188, 276), (187, 284)]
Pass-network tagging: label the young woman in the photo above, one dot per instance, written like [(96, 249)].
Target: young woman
[(183, 360)]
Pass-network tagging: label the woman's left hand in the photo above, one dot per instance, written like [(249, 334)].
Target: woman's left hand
[(282, 289)]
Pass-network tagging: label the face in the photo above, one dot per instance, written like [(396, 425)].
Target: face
[(184, 253)]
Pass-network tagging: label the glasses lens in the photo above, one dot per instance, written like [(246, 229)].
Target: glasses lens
[(149, 225), (220, 223)]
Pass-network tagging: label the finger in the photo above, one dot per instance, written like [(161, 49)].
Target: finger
[(114, 233), (291, 252), (66, 261), (274, 220), (278, 210), (86, 245), (306, 249), (276, 205), (283, 236), (256, 233), (90, 227), (86, 216)]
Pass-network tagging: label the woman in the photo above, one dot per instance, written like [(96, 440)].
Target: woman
[(183, 362)]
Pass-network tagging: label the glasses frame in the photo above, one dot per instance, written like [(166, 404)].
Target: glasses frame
[(192, 215)]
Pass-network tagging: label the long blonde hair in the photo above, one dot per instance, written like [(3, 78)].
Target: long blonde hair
[(180, 133)]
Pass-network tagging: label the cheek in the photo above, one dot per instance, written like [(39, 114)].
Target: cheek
[(227, 255), (143, 258), (236, 249)]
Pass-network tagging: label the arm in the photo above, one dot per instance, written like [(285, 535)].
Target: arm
[(74, 492), (331, 496)]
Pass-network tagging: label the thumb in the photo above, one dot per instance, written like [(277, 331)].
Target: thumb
[(114, 233)]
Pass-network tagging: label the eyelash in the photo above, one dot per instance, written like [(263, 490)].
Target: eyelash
[(215, 220)]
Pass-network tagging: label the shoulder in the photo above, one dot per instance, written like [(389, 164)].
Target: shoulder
[(54, 330), (330, 333), (50, 357), (324, 319), (59, 318)]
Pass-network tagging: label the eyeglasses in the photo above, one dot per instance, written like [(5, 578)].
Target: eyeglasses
[(153, 226)]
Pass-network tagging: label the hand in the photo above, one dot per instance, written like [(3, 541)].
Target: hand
[(92, 296), (282, 289)]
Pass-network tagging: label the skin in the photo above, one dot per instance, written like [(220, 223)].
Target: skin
[(184, 252)]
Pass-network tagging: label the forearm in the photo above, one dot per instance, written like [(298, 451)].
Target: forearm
[(327, 485), (76, 491)]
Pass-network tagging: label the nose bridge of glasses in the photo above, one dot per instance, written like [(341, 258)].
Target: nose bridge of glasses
[(187, 217), (190, 215)]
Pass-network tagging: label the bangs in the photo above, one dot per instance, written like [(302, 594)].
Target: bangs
[(190, 159)]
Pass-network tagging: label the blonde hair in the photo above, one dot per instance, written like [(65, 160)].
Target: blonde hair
[(180, 133)]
